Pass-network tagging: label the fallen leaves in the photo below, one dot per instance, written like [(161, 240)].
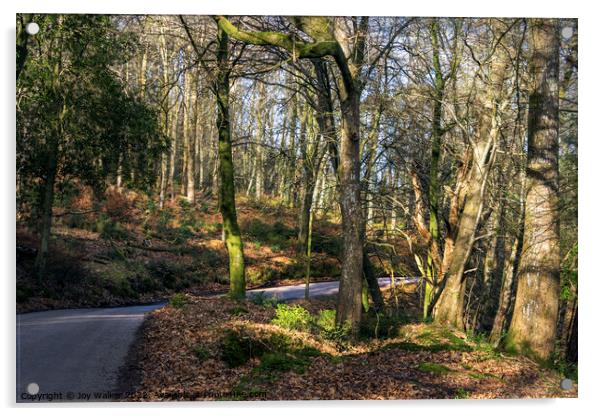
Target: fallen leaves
[(405, 367)]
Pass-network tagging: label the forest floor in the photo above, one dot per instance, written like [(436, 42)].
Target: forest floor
[(200, 348), (128, 251)]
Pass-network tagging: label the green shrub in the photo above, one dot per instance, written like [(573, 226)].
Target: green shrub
[(292, 317), (237, 348), (257, 228), (201, 352), (378, 325), (282, 230), (168, 273), (178, 300), (75, 221), (261, 299), (123, 288), (147, 283), (213, 227), (281, 361), (461, 394), (327, 245), (163, 223), (328, 329), (109, 229)]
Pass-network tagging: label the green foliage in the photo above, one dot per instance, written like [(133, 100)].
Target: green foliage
[(261, 275), (328, 329), (278, 352), (169, 273), (110, 229), (68, 95), (565, 368), (292, 317), (327, 245), (238, 348), (261, 299), (411, 346), (283, 362), (569, 275), (461, 394), (164, 220), (201, 352), (276, 236), (379, 325), (178, 300), (434, 368)]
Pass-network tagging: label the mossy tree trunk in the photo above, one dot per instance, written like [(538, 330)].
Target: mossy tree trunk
[(533, 327), (321, 30), (434, 187), (227, 203)]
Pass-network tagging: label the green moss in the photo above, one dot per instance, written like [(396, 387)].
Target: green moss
[(283, 362), (481, 376), (434, 368), (411, 346)]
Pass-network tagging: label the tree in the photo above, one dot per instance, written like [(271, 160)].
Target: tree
[(533, 327), (321, 29), (73, 116), (449, 307), (227, 202)]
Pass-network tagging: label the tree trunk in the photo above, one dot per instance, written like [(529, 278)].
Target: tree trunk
[(533, 327), (433, 189), (227, 202), (192, 142), (47, 203), (572, 350), (349, 306), (51, 169), (449, 308)]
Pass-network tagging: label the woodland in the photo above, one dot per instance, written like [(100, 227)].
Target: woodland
[(193, 158)]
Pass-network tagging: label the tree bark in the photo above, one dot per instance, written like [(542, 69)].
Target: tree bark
[(349, 306), (533, 327), (52, 161), (227, 201), (449, 308), (321, 29)]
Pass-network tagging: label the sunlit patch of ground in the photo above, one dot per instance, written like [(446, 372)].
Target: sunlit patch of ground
[(184, 355)]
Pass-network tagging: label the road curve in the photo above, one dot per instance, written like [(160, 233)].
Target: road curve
[(317, 289), (75, 354)]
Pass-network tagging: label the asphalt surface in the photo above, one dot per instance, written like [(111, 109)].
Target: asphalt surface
[(315, 289), (75, 354)]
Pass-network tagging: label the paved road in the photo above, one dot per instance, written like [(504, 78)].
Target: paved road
[(315, 289), (73, 354), (74, 351)]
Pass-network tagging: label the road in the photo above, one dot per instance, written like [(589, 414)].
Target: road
[(315, 289), (75, 354)]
